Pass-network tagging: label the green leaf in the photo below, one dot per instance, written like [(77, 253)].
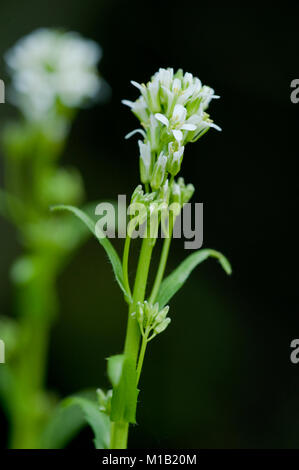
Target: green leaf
[(104, 241), (178, 277), (70, 416), (122, 374)]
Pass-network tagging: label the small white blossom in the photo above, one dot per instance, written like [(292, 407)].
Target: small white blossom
[(177, 122), (139, 108)]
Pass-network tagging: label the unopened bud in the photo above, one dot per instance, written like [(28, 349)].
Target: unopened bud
[(145, 161), (175, 193), (162, 326), (175, 159), (187, 191), (160, 317), (159, 172)]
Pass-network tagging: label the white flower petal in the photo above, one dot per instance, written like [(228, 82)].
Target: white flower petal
[(188, 127), (179, 113), (160, 117), (178, 135), (137, 85), (128, 103)]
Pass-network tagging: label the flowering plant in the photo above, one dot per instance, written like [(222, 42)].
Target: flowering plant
[(172, 110)]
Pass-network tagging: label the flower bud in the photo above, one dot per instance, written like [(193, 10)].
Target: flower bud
[(164, 192), (150, 319), (145, 161), (175, 158), (104, 400), (160, 316), (154, 133), (159, 172), (176, 193), (162, 326), (187, 191), (153, 99), (140, 312), (137, 195)]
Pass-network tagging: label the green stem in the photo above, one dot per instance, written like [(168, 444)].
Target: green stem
[(133, 331), (162, 264), (29, 369), (120, 430), (125, 265), (119, 434), (141, 358), (27, 414)]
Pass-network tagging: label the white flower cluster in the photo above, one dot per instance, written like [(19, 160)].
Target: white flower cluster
[(50, 65), (172, 111)]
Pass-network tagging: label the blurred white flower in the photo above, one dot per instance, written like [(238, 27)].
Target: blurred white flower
[(50, 65)]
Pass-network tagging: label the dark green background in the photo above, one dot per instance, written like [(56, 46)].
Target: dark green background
[(221, 375)]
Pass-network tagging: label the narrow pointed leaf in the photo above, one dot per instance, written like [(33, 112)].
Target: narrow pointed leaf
[(104, 241), (98, 421), (178, 277), (70, 416)]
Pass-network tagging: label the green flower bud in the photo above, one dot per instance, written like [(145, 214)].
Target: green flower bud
[(104, 400), (145, 161), (151, 320), (187, 191), (159, 172), (140, 312), (175, 158), (162, 326), (101, 396), (154, 133), (165, 192), (153, 99), (176, 193), (160, 317), (139, 196)]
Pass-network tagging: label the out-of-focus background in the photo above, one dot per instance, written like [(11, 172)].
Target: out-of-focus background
[(221, 375)]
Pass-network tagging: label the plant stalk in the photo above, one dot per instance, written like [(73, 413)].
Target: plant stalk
[(120, 430)]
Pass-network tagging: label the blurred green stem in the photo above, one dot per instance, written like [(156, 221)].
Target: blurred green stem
[(30, 399)]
